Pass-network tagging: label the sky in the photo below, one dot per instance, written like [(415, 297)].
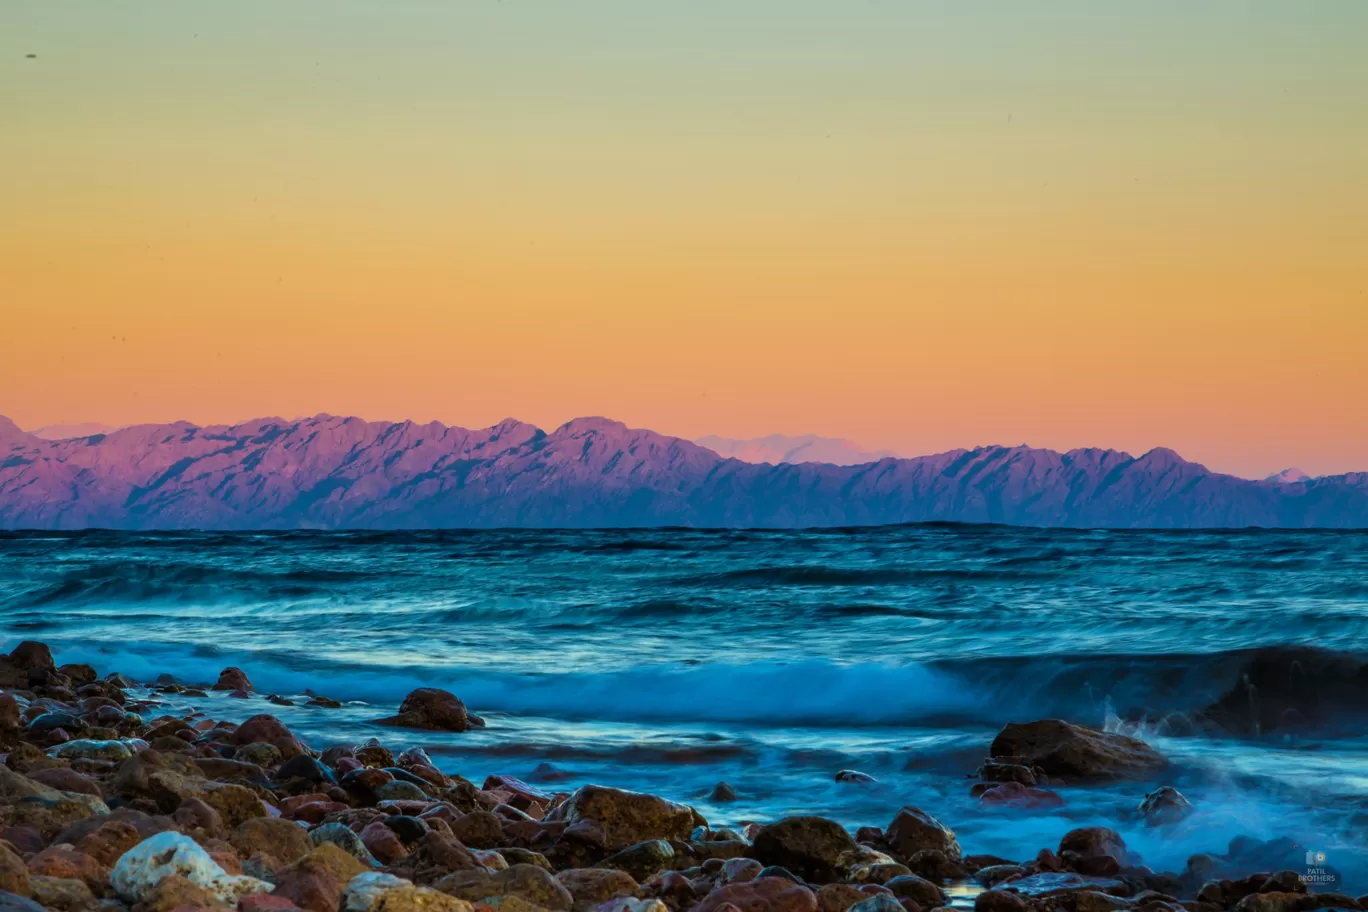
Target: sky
[(916, 225)]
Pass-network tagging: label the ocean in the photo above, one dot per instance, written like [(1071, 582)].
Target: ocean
[(669, 660)]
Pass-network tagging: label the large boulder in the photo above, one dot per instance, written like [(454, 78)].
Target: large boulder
[(590, 886), (282, 839), (431, 708), (1094, 841), (814, 848), (628, 818), (234, 679), (913, 830), (1076, 753), (271, 730)]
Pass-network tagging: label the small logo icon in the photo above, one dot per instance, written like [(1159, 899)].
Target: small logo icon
[(1319, 877), (1314, 859)]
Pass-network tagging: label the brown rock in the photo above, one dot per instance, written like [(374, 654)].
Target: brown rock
[(234, 679), (1074, 752), (271, 730), (837, 897), (63, 894), (768, 894), (14, 873), (176, 891), (31, 655), (435, 856), (311, 886), (527, 882), (67, 780), (918, 889), (998, 901), (814, 848), (628, 818), (430, 708), (590, 886), (283, 839), (383, 843), (1094, 841), (196, 818), (56, 861), (479, 830), (913, 830)]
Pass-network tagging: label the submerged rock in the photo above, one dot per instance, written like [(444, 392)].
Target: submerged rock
[(1164, 805), (1077, 753), (431, 708), (913, 830)]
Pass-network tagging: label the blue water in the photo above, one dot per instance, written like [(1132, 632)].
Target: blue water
[(668, 660)]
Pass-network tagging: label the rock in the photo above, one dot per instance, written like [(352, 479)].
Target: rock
[(304, 767), (854, 776), (935, 866), (590, 886), (1007, 772), (1092, 841), (107, 843), (643, 859), (1014, 794), (346, 839), (275, 836), (31, 655), (1077, 753), (176, 893), (631, 904), (918, 889), (430, 708), (65, 894), (85, 749), (1273, 902), (14, 873), (478, 830), (234, 679), (879, 902), (722, 792), (812, 847), (12, 902), (627, 818), (998, 901), (383, 843), (265, 902), (259, 753), (436, 856), (913, 830), (65, 779), (528, 882), (992, 875), (365, 892), (1164, 805), (271, 730), (311, 886), (157, 858), (767, 894), (741, 870), (838, 897), (66, 862), (399, 790)]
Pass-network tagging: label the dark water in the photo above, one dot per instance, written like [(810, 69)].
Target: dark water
[(668, 660)]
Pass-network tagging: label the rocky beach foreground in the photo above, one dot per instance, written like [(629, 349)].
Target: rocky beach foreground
[(111, 798)]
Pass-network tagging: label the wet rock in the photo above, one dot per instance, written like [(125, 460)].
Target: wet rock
[(305, 768), (528, 882), (590, 886), (177, 893), (344, 838), (815, 848), (275, 836), (1077, 753), (1047, 885), (265, 902), (992, 875), (383, 843), (913, 830), (935, 866), (1093, 841), (722, 792), (430, 708), (1164, 805), (479, 830), (627, 818), (67, 780), (234, 679), (918, 889), (259, 753), (1007, 772), (399, 790), (271, 730), (642, 860), (436, 856), (999, 901), (1016, 795), (741, 870), (879, 902), (31, 655), (155, 860), (854, 776), (768, 894)]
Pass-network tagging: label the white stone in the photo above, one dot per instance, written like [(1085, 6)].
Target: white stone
[(142, 867)]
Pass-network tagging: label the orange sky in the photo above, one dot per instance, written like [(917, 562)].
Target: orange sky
[(913, 226)]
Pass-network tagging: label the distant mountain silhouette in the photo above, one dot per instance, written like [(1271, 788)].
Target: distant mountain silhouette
[(68, 431), (329, 472), (777, 449)]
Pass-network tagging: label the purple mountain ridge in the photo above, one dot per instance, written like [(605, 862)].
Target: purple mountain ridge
[(328, 472)]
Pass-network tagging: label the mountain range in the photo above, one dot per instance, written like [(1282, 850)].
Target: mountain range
[(332, 472), (777, 449)]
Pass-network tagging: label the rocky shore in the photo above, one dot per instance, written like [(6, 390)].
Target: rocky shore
[(110, 799)]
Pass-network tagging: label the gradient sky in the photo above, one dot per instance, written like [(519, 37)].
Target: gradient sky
[(917, 225)]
